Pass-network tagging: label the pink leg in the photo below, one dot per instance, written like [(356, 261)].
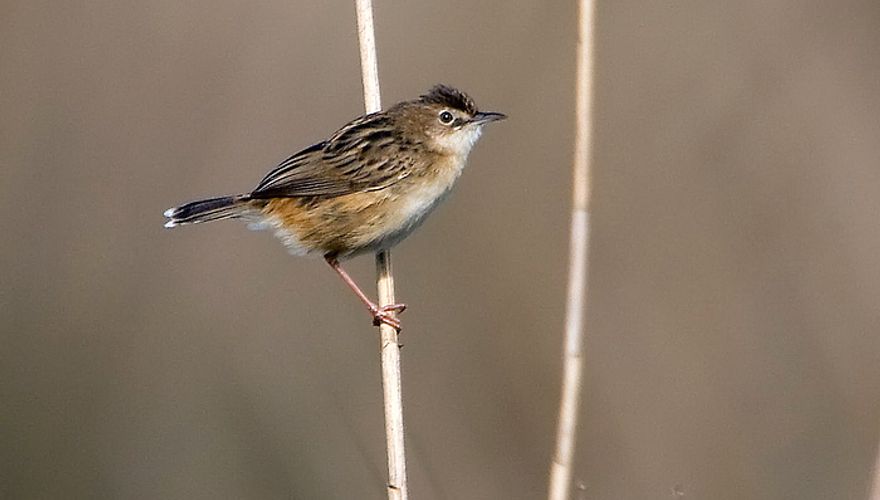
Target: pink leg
[(381, 314)]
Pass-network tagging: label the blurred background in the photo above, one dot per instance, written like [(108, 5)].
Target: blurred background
[(732, 350)]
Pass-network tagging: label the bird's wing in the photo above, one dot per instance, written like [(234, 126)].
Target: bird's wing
[(362, 156)]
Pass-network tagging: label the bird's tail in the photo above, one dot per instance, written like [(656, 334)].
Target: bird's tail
[(225, 207)]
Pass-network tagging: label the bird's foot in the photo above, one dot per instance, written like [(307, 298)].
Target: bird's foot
[(386, 314)]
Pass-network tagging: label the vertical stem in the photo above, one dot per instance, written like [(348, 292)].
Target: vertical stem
[(391, 384), (389, 348), (575, 314), (369, 66), (875, 480)]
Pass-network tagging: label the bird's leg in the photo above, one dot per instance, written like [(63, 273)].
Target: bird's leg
[(381, 314)]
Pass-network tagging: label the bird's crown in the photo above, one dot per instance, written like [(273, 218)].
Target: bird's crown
[(445, 95)]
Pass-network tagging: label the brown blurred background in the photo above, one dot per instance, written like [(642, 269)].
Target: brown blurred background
[(732, 349)]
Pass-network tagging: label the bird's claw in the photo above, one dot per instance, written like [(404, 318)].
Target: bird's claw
[(385, 314)]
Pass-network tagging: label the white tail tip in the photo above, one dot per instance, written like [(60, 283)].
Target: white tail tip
[(170, 223), (168, 212)]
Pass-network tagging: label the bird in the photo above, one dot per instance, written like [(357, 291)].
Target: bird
[(364, 189)]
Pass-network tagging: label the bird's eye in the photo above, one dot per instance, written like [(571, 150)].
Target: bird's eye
[(446, 117)]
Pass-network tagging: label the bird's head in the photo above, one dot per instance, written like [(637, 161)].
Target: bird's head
[(445, 119)]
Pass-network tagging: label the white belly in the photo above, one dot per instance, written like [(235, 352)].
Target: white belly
[(414, 205)]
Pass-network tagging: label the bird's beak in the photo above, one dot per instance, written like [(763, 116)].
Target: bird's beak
[(481, 118)]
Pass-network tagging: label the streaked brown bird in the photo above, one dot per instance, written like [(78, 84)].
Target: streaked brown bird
[(364, 189)]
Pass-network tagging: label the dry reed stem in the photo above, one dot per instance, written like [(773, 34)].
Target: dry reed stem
[(575, 314), (875, 482), (389, 348)]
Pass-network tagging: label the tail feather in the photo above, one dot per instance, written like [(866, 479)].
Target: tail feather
[(225, 207)]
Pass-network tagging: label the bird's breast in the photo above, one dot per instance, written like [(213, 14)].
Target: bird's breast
[(410, 201), (424, 190)]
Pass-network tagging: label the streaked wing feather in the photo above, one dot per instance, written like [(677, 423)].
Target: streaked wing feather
[(345, 163)]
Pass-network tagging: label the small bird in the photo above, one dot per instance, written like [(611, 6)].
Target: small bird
[(364, 189)]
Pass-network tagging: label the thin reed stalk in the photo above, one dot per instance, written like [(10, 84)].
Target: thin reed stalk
[(575, 315), (874, 494), (388, 345)]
